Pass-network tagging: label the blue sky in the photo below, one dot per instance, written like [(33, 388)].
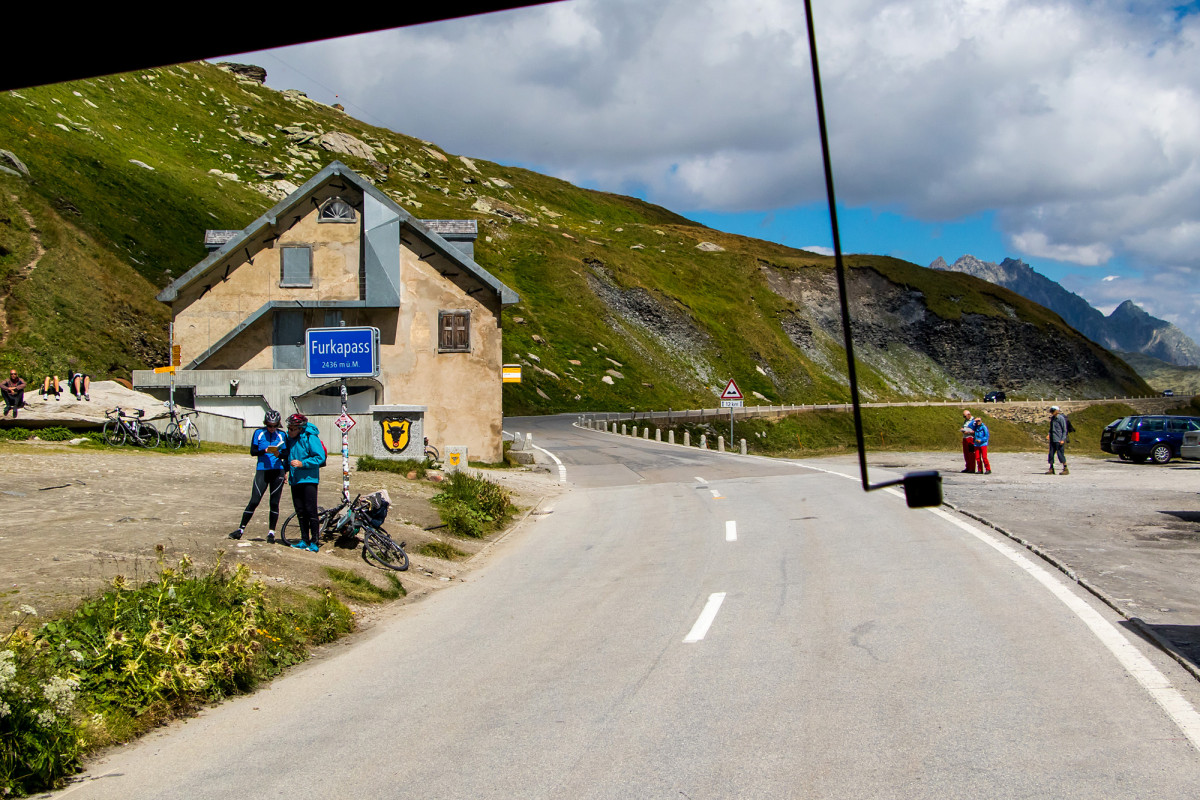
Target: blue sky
[(1065, 133)]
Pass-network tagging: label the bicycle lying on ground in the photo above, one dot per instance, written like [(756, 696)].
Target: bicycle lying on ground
[(181, 431), (363, 515), (121, 427)]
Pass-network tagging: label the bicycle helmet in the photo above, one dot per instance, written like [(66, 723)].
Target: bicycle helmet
[(297, 419), (271, 418)]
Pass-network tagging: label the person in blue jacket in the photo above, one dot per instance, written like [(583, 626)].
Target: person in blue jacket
[(305, 457), (267, 445), (982, 437)]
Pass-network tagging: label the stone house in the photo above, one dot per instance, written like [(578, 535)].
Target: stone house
[(340, 252)]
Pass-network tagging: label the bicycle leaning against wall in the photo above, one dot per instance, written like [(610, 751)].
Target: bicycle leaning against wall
[(121, 428), (181, 431)]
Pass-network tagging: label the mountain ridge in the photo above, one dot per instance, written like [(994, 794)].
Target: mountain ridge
[(624, 304), (1129, 328)]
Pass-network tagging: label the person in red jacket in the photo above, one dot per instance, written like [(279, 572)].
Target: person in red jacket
[(968, 440)]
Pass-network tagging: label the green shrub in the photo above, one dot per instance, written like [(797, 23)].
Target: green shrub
[(355, 587), (40, 740), (472, 506), (372, 464), (135, 656), (52, 434), (442, 550)]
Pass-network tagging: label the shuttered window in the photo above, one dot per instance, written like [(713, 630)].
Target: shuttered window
[(454, 331), (295, 266)]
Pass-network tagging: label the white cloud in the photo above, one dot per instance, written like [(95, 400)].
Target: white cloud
[(818, 249), (1077, 121), (1038, 245)]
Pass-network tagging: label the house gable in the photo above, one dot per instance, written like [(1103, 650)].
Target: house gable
[(290, 260)]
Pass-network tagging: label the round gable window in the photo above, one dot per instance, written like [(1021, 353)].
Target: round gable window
[(336, 210)]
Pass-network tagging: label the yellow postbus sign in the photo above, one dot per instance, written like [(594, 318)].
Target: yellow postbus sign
[(512, 373)]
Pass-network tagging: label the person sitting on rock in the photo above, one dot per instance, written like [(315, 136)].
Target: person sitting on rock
[(13, 390), (80, 385), (51, 386)]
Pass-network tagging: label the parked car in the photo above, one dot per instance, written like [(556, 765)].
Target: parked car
[(995, 397), (1110, 430), (1168, 393), (1154, 437), (1190, 449)]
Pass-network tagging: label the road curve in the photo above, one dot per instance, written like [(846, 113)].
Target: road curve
[(688, 624)]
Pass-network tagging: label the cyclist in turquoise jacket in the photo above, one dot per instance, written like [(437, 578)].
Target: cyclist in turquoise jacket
[(305, 456)]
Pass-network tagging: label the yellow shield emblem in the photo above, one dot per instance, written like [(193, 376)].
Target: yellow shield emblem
[(395, 434), (454, 458)]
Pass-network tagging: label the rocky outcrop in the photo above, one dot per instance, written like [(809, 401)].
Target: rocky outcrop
[(247, 71), (975, 352), (339, 142)]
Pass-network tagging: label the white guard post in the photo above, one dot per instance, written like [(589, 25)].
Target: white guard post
[(345, 445)]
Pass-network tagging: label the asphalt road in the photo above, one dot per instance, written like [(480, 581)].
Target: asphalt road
[(688, 624)]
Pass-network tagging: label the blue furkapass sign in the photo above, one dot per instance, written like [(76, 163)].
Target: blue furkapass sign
[(342, 352)]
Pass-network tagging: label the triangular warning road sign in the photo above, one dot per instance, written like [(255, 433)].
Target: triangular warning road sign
[(732, 392)]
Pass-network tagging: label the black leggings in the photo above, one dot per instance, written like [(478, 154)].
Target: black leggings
[(262, 479), (304, 498)]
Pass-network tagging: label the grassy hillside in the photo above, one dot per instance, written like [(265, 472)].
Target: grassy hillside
[(620, 307)]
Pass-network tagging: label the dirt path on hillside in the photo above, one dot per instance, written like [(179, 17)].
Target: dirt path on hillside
[(21, 274), (74, 517)]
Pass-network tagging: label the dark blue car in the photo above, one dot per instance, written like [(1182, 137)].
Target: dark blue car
[(1152, 437)]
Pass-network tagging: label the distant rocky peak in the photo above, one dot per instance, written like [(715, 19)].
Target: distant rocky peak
[(939, 263)]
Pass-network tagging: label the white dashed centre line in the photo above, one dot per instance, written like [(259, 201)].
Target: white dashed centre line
[(716, 494), (731, 531), (706, 618)]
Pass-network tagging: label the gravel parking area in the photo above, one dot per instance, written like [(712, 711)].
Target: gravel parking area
[(1130, 531), (74, 517)]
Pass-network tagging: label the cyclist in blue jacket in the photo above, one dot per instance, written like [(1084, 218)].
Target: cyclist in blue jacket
[(305, 457), (267, 444)]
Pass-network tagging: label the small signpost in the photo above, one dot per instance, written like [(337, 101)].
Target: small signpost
[(511, 373), (731, 398), (342, 353)]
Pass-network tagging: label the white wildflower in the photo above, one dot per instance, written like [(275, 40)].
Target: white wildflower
[(28, 610), (77, 656), (5, 710), (61, 693), (8, 669), (46, 718)]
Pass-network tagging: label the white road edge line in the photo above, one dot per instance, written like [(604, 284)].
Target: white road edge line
[(1154, 682), (706, 618), (562, 471), (1181, 712), (731, 531)]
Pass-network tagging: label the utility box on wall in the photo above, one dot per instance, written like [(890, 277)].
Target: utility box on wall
[(398, 432)]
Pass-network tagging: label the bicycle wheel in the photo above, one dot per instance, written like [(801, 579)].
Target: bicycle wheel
[(148, 435), (191, 436), (172, 437), (289, 532), (380, 548), (114, 433)]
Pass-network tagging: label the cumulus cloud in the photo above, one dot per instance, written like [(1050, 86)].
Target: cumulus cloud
[(1077, 121), (818, 249)]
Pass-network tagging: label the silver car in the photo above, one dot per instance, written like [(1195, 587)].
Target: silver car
[(1189, 450)]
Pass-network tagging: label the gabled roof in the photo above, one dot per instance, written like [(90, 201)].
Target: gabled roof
[(266, 224)]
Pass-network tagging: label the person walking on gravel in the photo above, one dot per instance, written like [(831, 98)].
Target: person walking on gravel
[(968, 440), (305, 456), (267, 444), (1058, 440)]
